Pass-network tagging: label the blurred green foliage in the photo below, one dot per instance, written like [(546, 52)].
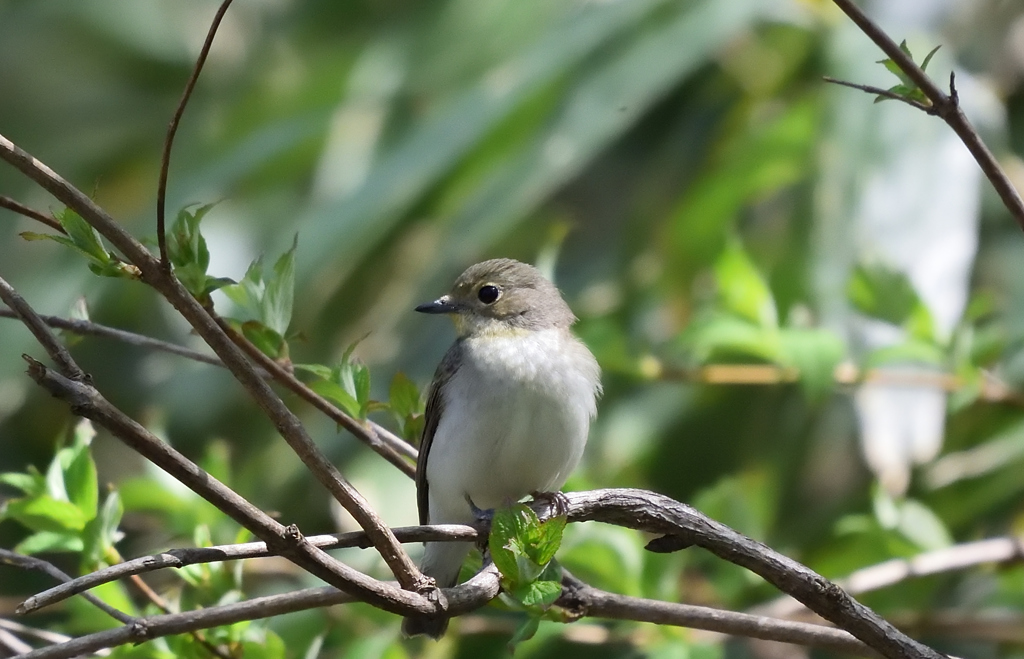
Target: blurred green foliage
[(672, 163)]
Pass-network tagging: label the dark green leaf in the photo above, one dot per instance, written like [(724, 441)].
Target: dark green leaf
[(526, 630), (404, 397), (81, 482), (879, 291), (267, 340)]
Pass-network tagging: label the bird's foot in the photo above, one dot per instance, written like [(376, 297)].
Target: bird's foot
[(556, 501)]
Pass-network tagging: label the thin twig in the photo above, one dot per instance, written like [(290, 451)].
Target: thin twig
[(38, 564), (584, 600), (929, 109), (165, 159), (889, 573), (947, 107), (179, 558), (391, 448), (161, 603), (31, 213), (58, 353), (467, 597), (285, 421)]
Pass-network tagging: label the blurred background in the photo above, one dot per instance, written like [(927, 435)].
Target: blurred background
[(742, 242)]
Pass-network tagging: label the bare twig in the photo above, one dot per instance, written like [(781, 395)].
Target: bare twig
[(161, 603), (165, 159), (38, 564), (583, 600), (390, 447), (467, 597), (946, 106), (179, 558), (949, 559), (44, 336), (284, 420), (31, 213)]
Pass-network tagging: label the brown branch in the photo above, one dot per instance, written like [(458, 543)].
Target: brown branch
[(58, 353), (467, 597), (161, 603), (287, 424), (584, 600), (946, 106), (31, 563), (165, 159), (388, 446), (31, 213), (684, 526), (179, 558), (376, 436)]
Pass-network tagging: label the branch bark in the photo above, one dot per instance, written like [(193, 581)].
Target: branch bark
[(287, 424)]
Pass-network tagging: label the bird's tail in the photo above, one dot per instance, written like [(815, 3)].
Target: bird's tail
[(442, 561)]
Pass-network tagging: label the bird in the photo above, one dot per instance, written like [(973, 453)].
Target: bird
[(508, 411)]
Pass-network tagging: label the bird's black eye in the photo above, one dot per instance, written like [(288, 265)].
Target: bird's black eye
[(488, 294)]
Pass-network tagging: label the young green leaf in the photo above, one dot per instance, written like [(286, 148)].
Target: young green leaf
[(44, 513), (741, 288), (32, 484), (49, 541), (877, 290), (280, 291)]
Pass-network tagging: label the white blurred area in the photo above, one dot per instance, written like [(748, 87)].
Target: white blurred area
[(911, 201)]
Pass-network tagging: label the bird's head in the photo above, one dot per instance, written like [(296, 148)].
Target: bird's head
[(502, 296)]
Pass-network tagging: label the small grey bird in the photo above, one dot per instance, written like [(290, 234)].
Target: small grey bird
[(509, 408)]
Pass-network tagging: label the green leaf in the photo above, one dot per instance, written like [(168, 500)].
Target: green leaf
[(45, 513), (880, 291), (538, 594), (83, 236), (335, 393), (548, 540), (910, 351), (268, 341), (741, 288), (511, 530), (32, 484), (80, 480), (101, 534), (404, 397), (724, 337), (928, 57), (49, 541), (280, 291), (361, 385), (526, 630)]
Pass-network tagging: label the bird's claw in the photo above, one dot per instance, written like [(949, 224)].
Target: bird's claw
[(556, 501)]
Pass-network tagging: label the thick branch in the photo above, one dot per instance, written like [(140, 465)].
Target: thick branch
[(684, 526), (287, 424), (947, 107)]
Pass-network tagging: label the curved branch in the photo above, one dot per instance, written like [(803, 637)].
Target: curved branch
[(47, 568), (287, 424), (172, 128), (31, 213)]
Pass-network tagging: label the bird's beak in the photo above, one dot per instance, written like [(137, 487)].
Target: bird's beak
[(442, 304)]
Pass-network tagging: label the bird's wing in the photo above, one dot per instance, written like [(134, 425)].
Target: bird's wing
[(435, 407)]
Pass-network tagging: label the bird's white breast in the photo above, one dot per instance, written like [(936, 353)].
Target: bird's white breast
[(515, 420)]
